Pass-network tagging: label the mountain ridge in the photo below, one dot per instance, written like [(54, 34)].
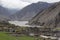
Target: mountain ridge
[(30, 11)]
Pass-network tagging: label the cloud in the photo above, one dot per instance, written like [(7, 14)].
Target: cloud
[(14, 3), (21, 3), (30, 1), (34, 1)]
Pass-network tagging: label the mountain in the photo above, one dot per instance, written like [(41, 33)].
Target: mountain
[(48, 20), (3, 13), (50, 17), (30, 11)]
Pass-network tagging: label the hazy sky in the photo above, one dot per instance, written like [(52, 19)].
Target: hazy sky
[(31, 1), (21, 3), (14, 3)]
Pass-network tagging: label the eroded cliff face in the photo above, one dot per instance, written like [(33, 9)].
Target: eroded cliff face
[(49, 20), (49, 17)]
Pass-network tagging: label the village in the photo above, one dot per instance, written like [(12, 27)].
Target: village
[(45, 25)]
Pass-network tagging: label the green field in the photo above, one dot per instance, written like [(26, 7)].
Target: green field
[(4, 36)]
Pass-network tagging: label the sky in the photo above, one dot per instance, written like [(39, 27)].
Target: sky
[(19, 4), (14, 4)]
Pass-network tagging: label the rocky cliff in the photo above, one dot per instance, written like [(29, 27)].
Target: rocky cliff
[(48, 17), (49, 20)]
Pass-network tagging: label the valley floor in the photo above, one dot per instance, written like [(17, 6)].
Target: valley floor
[(4, 36)]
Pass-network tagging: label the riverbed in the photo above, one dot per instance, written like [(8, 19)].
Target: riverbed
[(19, 23), (22, 24)]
